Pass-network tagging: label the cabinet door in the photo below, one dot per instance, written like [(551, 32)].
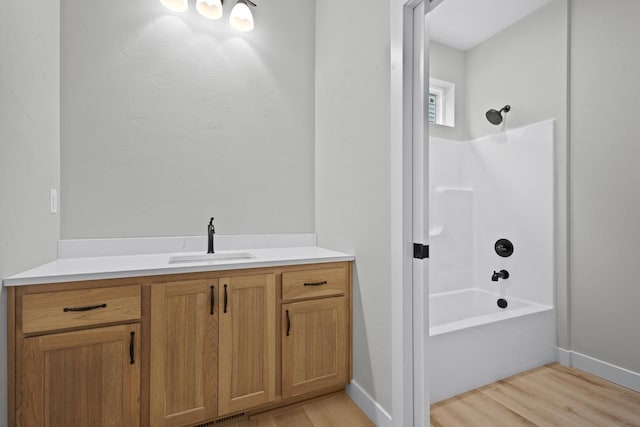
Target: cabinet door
[(247, 342), (184, 323), (314, 345), (84, 378)]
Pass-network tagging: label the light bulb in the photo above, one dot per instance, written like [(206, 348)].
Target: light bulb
[(210, 9), (176, 5), (241, 17)]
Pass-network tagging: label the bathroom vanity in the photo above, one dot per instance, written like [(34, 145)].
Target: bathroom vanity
[(129, 341)]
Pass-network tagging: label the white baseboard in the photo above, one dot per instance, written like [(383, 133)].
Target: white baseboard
[(613, 373), (599, 368), (374, 411)]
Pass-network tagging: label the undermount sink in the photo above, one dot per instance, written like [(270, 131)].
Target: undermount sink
[(211, 258)]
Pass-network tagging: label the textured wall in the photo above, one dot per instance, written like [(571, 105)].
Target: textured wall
[(353, 171), (523, 67), (168, 119), (29, 144), (605, 207)]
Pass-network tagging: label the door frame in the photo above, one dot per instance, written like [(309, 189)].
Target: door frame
[(409, 217)]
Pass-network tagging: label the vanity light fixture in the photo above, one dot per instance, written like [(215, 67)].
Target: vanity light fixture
[(176, 5), (210, 9), (241, 17)]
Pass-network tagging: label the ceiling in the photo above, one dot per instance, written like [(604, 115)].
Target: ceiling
[(463, 24)]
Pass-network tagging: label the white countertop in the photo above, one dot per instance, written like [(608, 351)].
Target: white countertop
[(113, 267)]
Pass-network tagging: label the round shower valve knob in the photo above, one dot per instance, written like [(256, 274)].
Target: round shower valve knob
[(504, 248)]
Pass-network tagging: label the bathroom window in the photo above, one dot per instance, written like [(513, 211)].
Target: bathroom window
[(441, 108)]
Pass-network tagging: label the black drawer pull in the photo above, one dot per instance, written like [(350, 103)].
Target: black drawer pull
[(131, 344), (225, 298), (288, 323), (316, 284), (93, 307), (213, 299)]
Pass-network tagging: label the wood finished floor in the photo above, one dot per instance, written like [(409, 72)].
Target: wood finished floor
[(335, 410), (552, 395)]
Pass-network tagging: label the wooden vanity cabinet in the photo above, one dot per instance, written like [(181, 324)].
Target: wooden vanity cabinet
[(177, 350), (82, 377), (314, 345), (315, 330), (247, 351), (184, 352)]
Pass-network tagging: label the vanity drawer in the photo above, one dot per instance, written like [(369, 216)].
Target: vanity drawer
[(314, 283), (83, 307)]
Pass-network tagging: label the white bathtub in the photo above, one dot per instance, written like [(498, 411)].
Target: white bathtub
[(473, 342), (451, 311)]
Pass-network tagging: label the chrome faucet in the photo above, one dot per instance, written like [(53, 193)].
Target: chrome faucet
[(502, 274), (211, 231)]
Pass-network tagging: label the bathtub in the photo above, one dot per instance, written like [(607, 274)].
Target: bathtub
[(473, 342)]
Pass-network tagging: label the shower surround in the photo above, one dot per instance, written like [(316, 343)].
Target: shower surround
[(496, 187)]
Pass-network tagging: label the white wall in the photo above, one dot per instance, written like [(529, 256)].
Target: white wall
[(29, 144), (523, 66), (526, 66), (512, 175), (527, 69), (448, 64), (353, 171), (598, 314), (451, 214), (605, 206), (168, 119), (498, 186)]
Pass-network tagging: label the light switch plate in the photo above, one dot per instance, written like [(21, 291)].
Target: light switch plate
[(53, 201)]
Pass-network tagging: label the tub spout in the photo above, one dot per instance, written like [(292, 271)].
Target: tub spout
[(502, 274)]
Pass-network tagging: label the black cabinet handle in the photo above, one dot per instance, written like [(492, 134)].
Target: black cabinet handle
[(131, 348), (316, 284), (225, 298), (288, 323), (213, 299), (93, 307)]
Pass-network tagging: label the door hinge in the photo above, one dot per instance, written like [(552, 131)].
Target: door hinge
[(420, 251)]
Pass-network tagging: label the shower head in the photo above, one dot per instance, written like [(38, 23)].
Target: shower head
[(495, 117)]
